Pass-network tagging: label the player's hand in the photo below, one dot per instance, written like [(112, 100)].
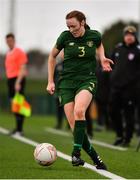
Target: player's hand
[(106, 64), (17, 86), (51, 88)]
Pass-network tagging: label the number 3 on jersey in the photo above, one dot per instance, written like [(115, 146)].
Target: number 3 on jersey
[(81, 51)]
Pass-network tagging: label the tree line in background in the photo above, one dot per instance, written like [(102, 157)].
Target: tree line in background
[(38, 59)]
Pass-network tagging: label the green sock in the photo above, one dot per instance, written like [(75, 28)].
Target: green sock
[(90, 150), (79, 131)]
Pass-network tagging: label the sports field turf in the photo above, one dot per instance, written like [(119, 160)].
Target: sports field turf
[(16, 158)]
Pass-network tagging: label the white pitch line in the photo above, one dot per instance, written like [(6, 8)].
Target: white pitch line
[(108, 145), (103, 144), (64, 156), (59, 132)]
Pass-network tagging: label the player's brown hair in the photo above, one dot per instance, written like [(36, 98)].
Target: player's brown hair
[(79, 16), (10, 35)]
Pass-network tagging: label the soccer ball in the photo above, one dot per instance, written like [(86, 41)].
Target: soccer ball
[(45, 154)]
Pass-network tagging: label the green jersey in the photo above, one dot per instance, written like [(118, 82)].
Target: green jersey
[(79, 54)]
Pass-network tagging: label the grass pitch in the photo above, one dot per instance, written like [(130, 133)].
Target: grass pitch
[(17, 162)]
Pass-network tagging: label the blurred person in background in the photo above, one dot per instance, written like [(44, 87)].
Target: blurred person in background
[(15, 66), (102, 98), (77, 82), (125, 86), (89, 121), (91, 118)]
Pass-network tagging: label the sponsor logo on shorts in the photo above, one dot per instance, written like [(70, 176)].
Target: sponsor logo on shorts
[(92, 86)]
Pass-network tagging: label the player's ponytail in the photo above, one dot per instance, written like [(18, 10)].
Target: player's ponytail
[(87, 26)]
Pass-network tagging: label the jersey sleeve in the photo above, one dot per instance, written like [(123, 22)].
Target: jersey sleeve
[(22, 57), (60, 41), (98, 39)]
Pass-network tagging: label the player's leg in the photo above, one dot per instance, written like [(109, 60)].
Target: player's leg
[(69, 109), (116, 115), (20, 121), (129, 115), (92, 153), (19, 118), (82, 101)]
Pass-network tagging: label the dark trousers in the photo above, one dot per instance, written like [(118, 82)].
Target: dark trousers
[(123, 119), (122, 110), (103, 114), (11, 86), (19, 122), (89, 121), (11, 92), (59, 114)]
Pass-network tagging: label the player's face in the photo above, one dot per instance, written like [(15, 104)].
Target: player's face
[(76, 28), (10, 42), (129, 38)]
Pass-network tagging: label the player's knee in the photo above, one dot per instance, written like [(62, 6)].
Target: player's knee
[(79, 113)]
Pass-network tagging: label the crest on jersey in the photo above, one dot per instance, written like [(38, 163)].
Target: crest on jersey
[(131, 56), (71, 44), (90, 43)]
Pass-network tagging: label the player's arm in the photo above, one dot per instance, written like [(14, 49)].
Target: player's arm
[(22, 74), (51, 68), (105, 62)]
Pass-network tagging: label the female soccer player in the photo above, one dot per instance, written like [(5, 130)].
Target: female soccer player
[(77, 82)]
